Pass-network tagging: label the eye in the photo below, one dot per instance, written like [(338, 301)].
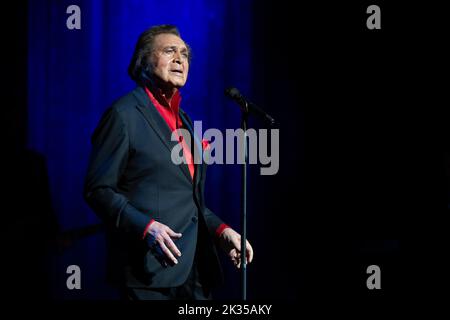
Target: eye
[(169, 51)]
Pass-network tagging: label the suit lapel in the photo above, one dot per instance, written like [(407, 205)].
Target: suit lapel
[(158, 124), (195, 144)]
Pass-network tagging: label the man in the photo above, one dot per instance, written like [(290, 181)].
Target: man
[(161, 236)]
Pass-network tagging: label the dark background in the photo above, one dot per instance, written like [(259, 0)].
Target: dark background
[(352, 140)]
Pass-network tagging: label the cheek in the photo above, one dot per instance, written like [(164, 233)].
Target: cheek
[(161, 70), (160, 65)]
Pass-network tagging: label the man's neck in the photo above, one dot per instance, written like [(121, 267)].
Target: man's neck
[(163, 95), (168, 95)]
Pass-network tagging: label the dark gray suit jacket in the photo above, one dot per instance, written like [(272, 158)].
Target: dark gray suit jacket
[(131, 179)]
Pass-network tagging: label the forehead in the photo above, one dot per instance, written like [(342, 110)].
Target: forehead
[(168, 40)]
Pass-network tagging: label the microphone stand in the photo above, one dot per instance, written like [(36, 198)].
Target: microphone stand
[(244, 123), (246, 106)]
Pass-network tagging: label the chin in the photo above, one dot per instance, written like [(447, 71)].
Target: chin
[(178, 84)]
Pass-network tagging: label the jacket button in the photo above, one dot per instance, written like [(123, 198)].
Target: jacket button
[(194, 219)]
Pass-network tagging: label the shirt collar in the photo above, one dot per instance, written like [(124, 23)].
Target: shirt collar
[(174, 103)]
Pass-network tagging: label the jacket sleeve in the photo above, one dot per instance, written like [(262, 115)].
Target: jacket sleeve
[(108, 160), (213, 222)]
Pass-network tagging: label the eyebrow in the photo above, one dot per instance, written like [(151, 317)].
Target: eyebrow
[(175, 47)]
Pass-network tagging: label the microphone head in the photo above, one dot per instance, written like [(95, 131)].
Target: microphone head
[(233, 93)]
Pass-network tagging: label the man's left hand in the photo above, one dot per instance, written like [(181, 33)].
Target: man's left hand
[(230, 242)]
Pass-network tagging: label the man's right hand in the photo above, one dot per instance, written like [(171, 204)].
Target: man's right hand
[(162, 236)]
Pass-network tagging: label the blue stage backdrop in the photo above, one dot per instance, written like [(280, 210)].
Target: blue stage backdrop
[(74, 75)]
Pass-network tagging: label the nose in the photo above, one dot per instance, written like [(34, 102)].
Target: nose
[(177, 57)]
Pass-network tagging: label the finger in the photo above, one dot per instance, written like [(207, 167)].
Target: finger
[(173, 234), (234, 257), (232, 253), (249, 252), (167, 252), (237, 260), (237, 244), (171, 245)]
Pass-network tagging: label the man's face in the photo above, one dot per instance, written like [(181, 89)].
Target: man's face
[(170, 60)]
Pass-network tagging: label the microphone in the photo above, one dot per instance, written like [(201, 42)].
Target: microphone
[(247, 106)]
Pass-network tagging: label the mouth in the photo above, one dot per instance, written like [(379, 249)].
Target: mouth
[(177, 72)]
